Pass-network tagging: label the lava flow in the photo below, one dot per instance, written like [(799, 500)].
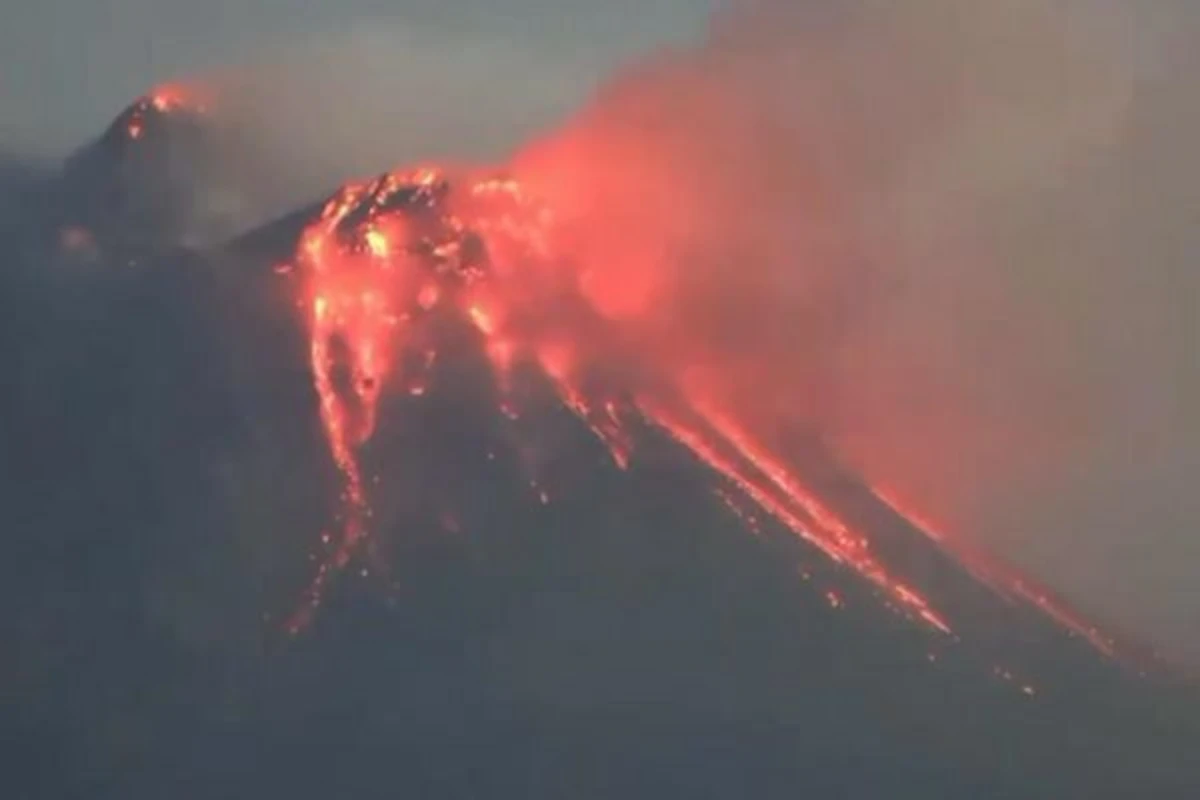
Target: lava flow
[(386, 257)]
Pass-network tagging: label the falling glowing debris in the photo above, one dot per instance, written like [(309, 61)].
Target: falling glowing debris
[(748, 518), (387, 257), (1007, 676)]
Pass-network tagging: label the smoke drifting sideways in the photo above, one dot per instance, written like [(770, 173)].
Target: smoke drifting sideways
[(955, 242), (311, 110)]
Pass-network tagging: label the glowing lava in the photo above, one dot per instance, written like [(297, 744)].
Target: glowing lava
[(164, 100), (1002, 580), (387, 257), (362, 284)]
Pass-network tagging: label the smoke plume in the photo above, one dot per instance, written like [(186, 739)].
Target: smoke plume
[(954, 241)]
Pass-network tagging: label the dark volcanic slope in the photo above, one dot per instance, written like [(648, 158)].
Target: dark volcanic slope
[(165, 481)]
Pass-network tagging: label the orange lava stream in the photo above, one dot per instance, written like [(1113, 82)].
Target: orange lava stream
[(354, 298), (385, 256), (729, 451), (1004, 582)]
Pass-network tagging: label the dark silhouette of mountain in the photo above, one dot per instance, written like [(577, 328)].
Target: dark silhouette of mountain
[(166, 484)]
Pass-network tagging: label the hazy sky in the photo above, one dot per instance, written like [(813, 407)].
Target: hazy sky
[(67, 66)]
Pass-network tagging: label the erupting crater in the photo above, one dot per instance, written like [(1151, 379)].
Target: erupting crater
[(385, 259)]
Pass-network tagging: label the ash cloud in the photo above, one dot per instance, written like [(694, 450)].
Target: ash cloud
[(956, 241)]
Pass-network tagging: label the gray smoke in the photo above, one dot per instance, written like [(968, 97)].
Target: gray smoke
[(959, 240)]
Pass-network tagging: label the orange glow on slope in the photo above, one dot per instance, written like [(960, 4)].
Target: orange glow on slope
[(175, 97), (387, 256), (1003, 581), (164, 100), (777, 493), (354, 283)]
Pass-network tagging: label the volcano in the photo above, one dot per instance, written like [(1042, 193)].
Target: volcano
[(374, 500)]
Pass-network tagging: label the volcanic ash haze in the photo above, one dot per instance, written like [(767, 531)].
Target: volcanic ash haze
[(954, 241)]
